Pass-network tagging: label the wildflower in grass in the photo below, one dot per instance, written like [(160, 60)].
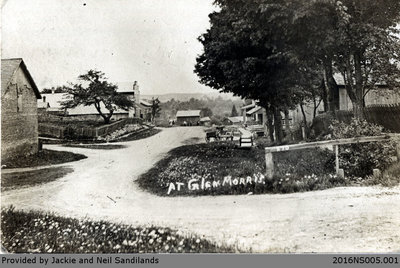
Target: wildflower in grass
[(166, 247), (197, 240)]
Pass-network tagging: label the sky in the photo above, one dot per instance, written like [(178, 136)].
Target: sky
[(153, 42)]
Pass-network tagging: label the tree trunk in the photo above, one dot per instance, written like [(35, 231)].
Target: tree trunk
[(331, 86), (304, 119), (324, 96), (359, 96), (278, 125), (287, 126), (270, 122)]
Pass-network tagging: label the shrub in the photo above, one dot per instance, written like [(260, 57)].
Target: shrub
[(305, 162), (321, 123), (36, 232), (358, 160)]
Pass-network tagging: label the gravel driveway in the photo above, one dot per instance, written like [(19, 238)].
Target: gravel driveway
[(352, 219)]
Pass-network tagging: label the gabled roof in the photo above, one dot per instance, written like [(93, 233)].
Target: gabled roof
[(340, 81), (236, 119), (88, 110), (9, 67), (125, 87), (252, 105), (55, 99), (145, 103), (189, 113), (205, 119), (254, 110)]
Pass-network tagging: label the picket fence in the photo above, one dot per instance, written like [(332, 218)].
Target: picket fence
[(387, 116), (63, 132)]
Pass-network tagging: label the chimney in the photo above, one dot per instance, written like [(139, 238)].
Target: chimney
[(136, 91), (135, 86)]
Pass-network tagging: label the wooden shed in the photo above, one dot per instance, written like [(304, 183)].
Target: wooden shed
[(19, 117)]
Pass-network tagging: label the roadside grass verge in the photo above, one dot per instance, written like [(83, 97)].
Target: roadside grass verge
[(139, 135), (42, 158), (221, 169), (32, 178), (35, 232), (96, 146), (389, 178)]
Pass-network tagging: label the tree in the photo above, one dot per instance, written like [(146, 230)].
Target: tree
[(234, 111), (206, 112), (155, 108), (245, 53), (369, 48), (95, 90)]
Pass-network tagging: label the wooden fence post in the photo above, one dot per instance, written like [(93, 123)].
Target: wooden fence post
[(398, 150), (336, 147), (269, 163)]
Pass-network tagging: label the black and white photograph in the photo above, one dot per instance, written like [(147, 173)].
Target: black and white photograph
[(200, 126)]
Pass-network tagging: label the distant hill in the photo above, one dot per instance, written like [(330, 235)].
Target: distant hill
[(188, 96)]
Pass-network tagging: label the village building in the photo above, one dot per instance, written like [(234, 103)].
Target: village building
[(141, 109), (205, 121), (188, 118), (381, 95), (253, 114), (233, 120), (19, 117)]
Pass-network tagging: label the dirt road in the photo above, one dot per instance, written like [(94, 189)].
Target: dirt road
[(357, 219)]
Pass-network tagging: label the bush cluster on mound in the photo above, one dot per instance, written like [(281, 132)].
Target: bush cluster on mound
[(220, 168), (44, 233), (359, 160)]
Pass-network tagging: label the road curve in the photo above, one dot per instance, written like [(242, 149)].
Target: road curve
[(351, 219)]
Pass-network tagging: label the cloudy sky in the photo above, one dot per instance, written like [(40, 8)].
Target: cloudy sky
[(151, 41)]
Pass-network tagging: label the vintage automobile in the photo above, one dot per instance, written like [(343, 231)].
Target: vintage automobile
[(212, 134)]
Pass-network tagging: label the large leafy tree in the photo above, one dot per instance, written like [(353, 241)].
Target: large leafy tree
[(94, 89), (245, 54), (368, 52)]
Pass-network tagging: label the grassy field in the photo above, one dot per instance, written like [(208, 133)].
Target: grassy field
[(42, 158), (34, 232), (32, 178), (220, 168)]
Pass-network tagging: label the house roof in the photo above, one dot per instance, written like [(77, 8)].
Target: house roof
[(125, 87), (87, 110), (55, 99), (235, 119), (9, 68), (254, 110), (145, 103), (43, 105), (340, 81), (189, 113), (205, 119), (252, 105)]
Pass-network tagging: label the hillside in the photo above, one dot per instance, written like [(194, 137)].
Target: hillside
[(187, 96)]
